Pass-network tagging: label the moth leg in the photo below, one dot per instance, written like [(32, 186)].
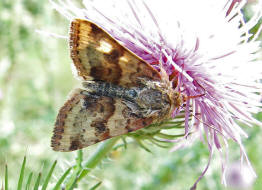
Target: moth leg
[(140, 112), (135, 109)]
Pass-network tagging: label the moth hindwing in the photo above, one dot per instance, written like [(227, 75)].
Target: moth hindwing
[(121, 92)]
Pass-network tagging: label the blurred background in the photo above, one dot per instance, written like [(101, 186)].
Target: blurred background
[(35, 78)]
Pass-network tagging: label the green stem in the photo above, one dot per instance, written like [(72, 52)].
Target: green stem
[(71, 181), (79, 159), (100, 153)]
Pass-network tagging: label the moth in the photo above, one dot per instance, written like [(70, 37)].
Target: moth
[(121, 92)]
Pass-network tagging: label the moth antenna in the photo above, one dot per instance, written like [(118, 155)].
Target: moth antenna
[(185, 98)]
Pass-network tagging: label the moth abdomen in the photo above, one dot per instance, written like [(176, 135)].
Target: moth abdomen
[(100, 88)]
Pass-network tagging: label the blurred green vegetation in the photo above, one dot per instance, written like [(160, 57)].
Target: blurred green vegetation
[(35, 78)]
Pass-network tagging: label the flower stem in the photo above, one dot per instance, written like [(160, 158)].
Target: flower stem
[(102, 150)]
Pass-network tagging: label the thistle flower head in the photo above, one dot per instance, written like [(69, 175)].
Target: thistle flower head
[(204, 47)]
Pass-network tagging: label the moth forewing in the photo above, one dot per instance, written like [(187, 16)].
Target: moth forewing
[(116, 64)]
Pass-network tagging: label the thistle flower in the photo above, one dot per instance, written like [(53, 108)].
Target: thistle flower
[(205, 47), (238, 176)]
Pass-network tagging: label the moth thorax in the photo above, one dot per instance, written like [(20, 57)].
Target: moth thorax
[(153, 99)]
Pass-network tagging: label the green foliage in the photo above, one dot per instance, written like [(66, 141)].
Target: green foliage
[(36, 186), (96, 186), (38, 183), (26, 185), (21, 177), (6, 177), (49, 176), (62, 178)]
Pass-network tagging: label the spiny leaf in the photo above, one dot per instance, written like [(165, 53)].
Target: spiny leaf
[(49, 176), (27, 187), (155, 142), (37, 181), (180, 125), (21, 177), (6, 177), (166, 136), (121, 145), (124, 141), (60, 181), (96, 185), (142, 145)]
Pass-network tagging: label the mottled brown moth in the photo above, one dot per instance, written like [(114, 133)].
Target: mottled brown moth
[(121, 92)]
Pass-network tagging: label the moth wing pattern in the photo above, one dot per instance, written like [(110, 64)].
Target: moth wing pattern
[(98, 56), (87, 119)]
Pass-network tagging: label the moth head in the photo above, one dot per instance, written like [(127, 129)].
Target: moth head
[(176, 98)]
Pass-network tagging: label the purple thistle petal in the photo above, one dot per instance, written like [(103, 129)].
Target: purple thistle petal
[(187, 118)]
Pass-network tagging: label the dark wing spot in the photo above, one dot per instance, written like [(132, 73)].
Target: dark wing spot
[(102, 109), (75, 144), (87, 103), (109, 71), (56, 136), (59, 130), (99, 126), (59, 122), (97, 72), (113, 56), (96, 29)]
